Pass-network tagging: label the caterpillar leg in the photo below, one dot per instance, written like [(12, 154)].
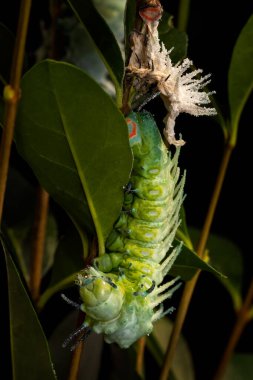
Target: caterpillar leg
[(106, 263), (82, 330)]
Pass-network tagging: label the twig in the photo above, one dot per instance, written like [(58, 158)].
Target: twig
[(75, 362), (39, 235), (241, 321), (140, 356), (76, 356), (183, 15), (42, 204), (77, 353), (12, 95), (190, 285), (214, 200)]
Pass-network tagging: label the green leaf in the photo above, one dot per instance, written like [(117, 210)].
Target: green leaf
[(76, 141), (182, 232), (182, 367), (178, 41), (240, 367), (227, 258), (103, 39), (29, 349), (69, 257), (187, 263), (240, 76), (129, 25), (173, 38), (113, 13), (22, 240), (219, 117), (166, 23), (69, 260), (59, 286)]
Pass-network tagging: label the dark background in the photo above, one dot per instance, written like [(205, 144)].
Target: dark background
[(213, 29)]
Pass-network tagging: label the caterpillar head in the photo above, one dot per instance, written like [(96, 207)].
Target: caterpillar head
[(102, 299), (135, 321)]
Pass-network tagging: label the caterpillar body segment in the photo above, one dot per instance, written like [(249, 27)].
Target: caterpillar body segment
[(122, 293)]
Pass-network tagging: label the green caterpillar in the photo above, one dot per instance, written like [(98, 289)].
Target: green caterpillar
[(122, 293)]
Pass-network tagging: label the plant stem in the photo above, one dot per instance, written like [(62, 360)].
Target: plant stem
[(39, 235), (42, 204), (140, 356), (180, 317), (183, 15), (76, 356), (66, 282), (12, 95), (190, 285), (75, 361), (214, 200), (241, 321)]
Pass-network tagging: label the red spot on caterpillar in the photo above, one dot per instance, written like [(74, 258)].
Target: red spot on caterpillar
[(133, 131)]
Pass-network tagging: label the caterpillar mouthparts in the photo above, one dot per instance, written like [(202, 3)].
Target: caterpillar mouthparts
[(122, 292)]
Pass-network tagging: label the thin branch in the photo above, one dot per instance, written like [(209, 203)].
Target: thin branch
[(177, 327), (75, 362), (77, 353), (12, 95), (42, 204), (59, 286), (241, 321), (39, 235), (190, 285), (183, 15), (214, 200), (76, 356), (140, 356)]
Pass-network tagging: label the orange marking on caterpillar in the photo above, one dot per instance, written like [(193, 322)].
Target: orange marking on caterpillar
[(133, 132)]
